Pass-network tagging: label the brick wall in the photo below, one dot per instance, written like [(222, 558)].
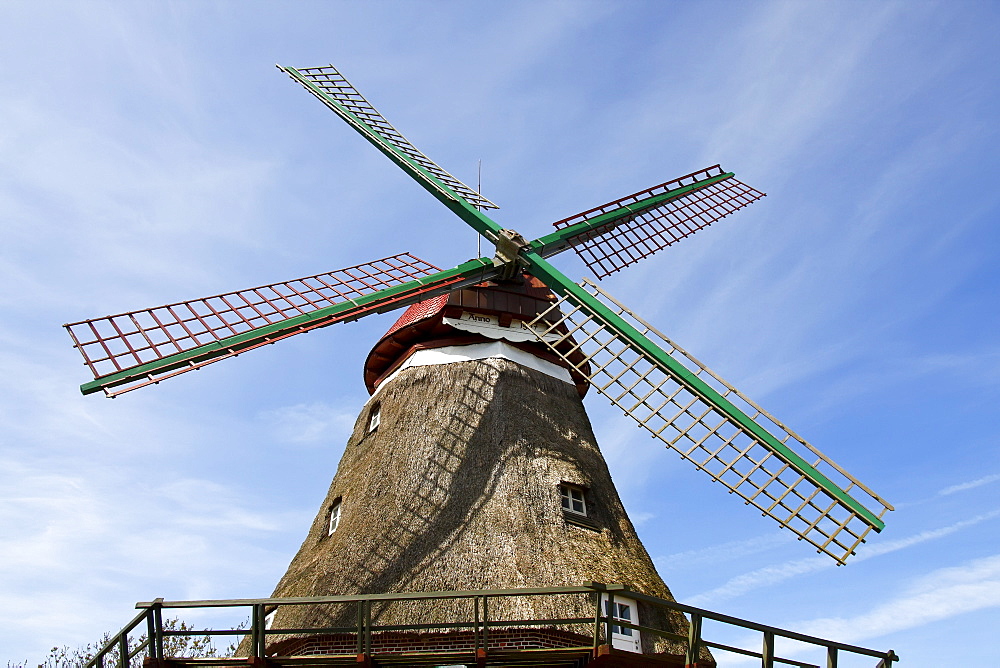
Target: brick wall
[(390, 642)]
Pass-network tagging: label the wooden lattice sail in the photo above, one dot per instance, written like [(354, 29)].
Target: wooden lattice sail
[(758, 458)]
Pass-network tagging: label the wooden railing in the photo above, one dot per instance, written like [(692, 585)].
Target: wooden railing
[(123, 651)]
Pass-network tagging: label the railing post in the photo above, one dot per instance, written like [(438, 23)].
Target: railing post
[(597, 621), (256, 624), (359, 646), (767, 653), (158, 626), (831, 657), (475, 623), (368, 628), (486, 622), (262, 634), (150, 635), (123, 650), (887, 661), (694, 641)]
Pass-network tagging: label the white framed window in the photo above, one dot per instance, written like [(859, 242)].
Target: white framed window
[(374, 417), (269, 619), (334, 516), (573, 499), (623, 609)]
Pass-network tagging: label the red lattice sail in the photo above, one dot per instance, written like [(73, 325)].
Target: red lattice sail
[(608, 249), (117, 343)]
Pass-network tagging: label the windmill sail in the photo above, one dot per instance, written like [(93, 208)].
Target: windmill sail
[(632, 228), (337, 93), (718, 429), (142, 347)]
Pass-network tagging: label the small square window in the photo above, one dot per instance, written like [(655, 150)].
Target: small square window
[(573, 500), (334, 516), (374, 417)]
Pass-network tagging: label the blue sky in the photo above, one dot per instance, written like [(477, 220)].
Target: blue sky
[(151, 153)]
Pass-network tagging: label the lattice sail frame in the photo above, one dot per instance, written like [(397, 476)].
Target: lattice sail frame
[(606, 250), (337, 93), (666, 406), (117, 343)]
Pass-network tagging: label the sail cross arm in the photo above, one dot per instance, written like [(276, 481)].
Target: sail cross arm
[(712, 425), (199, 333), (635, 227), (604, 219), (336, 92)]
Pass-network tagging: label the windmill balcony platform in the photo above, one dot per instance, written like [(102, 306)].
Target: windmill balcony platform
[(486, 637)]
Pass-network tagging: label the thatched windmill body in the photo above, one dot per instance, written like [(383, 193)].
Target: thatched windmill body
[(474, 465)]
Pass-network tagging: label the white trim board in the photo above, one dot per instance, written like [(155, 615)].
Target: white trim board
[(478, 351)]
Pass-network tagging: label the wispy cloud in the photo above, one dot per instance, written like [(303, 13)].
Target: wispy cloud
[(972, 484), (938, 595), (309, 423), (723, 552), (641, 518), (772, 575), (77, 542), (932, 597)]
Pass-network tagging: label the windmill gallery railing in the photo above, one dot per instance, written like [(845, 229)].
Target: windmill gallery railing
[(152, 645)]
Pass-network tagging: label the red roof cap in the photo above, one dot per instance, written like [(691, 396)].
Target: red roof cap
[(419, 311)]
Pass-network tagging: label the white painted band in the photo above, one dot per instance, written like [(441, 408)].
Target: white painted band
[(489, 326), (479, 351)]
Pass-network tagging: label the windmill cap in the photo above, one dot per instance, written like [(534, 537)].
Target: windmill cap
[(431, 324)]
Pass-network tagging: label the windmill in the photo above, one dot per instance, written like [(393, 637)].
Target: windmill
[(579, 330)]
